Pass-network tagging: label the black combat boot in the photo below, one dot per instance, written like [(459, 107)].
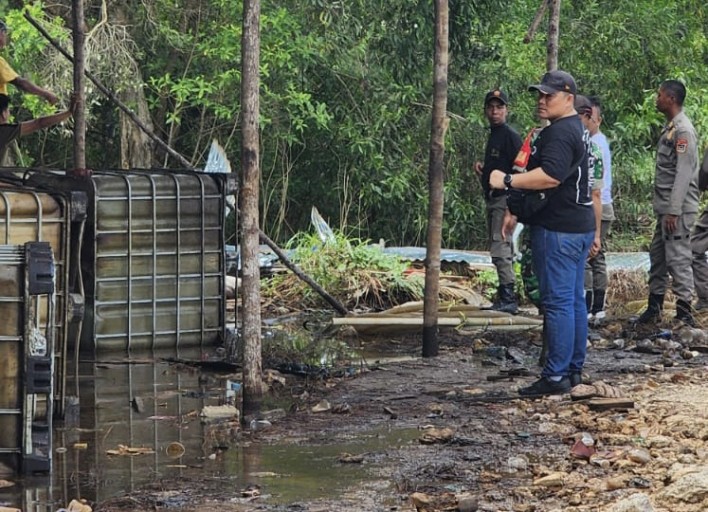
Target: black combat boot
[(506, 299), (683, 313), (653, 311), (598, 304)]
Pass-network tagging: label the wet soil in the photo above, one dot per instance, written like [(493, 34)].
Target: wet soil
[(372, 448)]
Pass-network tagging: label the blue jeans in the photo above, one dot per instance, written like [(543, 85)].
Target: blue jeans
[(559, 262)]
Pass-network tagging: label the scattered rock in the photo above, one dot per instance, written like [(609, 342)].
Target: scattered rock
[(552, 480), (518, 463), (343, 408), (635, 503), (612, 484), (467, 504), (421, 501), (639, 455), (688, 485), (659, 441), (348, 458), (437, 435), (322, 406)]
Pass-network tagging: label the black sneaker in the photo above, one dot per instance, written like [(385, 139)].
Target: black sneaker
[(546, 386), (576, 379)]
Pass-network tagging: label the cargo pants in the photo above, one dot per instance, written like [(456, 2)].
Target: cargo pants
[(670, 254), (500, 250)]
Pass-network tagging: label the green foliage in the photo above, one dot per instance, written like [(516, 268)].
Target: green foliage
[(354, 271), (346, 97)]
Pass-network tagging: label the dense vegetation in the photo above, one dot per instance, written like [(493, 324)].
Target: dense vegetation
[(346, 95)]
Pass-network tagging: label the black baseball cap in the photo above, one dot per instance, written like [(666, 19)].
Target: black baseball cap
[(496, 94), (583, 105), (555, 81)]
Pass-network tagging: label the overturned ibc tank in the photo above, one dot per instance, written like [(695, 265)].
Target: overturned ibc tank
[(34, 274), (124, 260), (152, 257)]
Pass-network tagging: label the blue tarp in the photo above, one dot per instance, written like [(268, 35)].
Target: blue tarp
[(615, 260)]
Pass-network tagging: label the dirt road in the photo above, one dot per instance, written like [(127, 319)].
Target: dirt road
[(436, 434)]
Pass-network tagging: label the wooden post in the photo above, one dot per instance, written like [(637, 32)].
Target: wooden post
[(79, 30), (438, 128), (553, 33), (250, 183)]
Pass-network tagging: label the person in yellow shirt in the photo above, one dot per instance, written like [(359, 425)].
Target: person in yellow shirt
[(10, 76)]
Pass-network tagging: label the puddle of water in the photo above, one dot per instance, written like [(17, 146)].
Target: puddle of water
[(291, 473), (170, 399)]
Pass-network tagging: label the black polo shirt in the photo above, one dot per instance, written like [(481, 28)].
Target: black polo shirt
[(503, 145), (561, 150)]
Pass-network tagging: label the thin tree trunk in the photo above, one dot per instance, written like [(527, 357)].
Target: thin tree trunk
[(553, 33), (250, 165), (536, 21), (136, 148), (79, 114), (438, 128)]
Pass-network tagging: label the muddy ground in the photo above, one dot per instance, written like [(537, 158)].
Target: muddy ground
[(451, 439)]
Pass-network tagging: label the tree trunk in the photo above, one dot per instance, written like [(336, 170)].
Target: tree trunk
[(439, 124), (250, 166), (136, 148), (553, 33), (79, 114)]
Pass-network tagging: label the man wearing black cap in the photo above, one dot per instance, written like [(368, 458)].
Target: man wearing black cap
[(503, 144), (562, 229), (10, 76)]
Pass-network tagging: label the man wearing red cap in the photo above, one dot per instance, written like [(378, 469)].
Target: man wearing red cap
[(503, 144)]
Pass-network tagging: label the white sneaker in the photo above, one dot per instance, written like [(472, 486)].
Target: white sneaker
[(590, 317), (600, 315)]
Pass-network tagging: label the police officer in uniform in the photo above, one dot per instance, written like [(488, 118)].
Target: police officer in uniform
[(675, 206), (502, 146), (699, 244)]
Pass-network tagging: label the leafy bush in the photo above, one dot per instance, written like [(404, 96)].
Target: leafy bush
[(357, 273)]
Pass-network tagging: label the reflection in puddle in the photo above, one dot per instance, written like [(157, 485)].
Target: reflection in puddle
[(149, 413)]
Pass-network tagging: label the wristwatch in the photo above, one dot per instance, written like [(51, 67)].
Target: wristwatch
[(507, 180)]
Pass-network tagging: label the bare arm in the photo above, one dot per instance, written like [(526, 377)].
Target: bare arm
[(535, 179), (597, 207), (29, 87), (34, 125)]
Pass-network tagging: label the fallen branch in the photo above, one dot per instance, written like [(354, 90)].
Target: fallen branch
[(299, 273)]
